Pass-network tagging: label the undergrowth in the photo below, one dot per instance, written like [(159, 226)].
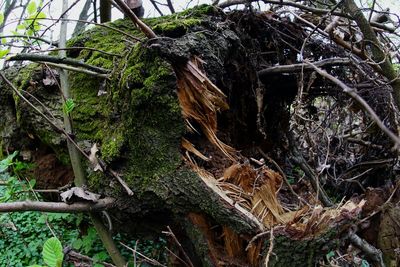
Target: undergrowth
[(22, 234)]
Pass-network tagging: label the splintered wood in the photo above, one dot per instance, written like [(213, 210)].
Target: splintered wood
[(200, 101), (251, 191)]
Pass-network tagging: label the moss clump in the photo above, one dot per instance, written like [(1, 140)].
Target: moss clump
[(176, 27)]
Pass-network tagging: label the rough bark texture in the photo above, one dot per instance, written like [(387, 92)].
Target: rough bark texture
[(135, 118)]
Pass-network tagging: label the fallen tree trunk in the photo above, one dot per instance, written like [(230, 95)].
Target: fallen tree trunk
[(157, 128)]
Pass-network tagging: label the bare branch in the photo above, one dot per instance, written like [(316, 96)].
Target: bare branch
[(57, 60), (59, 207), (303, 66), (361, 101), (129, 13), (170, 6), (372, 252), (317, 11), (156, 7), (30, 37)]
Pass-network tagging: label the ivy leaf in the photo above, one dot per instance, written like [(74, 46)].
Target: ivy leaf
[(68, 106), (52, 252), (4, 52), (31, 8)]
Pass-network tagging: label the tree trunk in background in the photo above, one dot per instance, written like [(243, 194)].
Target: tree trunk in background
[(105, 11)]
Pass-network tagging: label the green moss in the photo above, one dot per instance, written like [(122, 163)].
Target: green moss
[(155, 117), (112, 146), (200, 11), (176, 27)]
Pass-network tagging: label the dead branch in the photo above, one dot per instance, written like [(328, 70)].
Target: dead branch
[(378, 53), (171, 234), (29, 38), (73, 255), (372, 252), (156, 7), (69, 68), (303, 66), (361, 101), (316, 11), (129, 13), (57, 60), (309, 172), (60, 207), (171, 6), (145, 258), (271, 247)]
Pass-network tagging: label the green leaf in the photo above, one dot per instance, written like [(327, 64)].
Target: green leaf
[(35, 265), (101, 256), (52, 252), (1, 18), (32, 183), (77, 244), (330, 255), (7, 162), (68, 106), (98, 265), (41, 15), (32, 7), (21, 27), (4, 52)]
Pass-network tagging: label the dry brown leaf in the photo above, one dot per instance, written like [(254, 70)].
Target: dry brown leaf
[(78, 194)]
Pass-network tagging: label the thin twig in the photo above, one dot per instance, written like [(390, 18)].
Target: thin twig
[(271, 247), (69, 68), (361, 101), (171, 234), (30, 37), (145, 258)]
